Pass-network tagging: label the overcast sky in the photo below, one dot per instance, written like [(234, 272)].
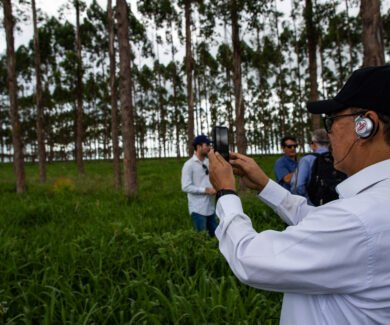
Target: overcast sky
[(51, 7)]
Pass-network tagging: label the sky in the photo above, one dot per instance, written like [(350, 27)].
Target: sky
[(51, 7)]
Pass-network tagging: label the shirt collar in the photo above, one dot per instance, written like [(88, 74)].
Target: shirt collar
[(289, 158), (322, 150), (195, 158), (364, 179)]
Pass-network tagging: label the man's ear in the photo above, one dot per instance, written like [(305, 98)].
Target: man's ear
[(373, 116)]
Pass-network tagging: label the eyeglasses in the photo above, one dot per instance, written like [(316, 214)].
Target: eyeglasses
[(328, 120), (291, 146), (206, 170)]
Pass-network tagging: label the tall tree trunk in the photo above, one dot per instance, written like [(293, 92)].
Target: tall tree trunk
[(114, 106), (162, 124), (190, 95), (282, 118), (206, 99), (39, 99), (260, 120), (2, 151), (321, 52), (301, 115), (12, 87), (229, 110), (128, 135), (197, 107), (228, 94), (79, 95), (239, 101), (312, 49), (349, 37), (372, 33), (175, 105), (340, 65)]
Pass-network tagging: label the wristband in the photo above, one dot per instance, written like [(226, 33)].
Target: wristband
[(223, 192)]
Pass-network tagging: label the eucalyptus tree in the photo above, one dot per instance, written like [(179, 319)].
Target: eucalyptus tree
[(323, 14), (298, 42), (66, 71), (337, 35), (282, 115), (166, 12), (224, 59), (113, 97), (205, 71), (372, 36), (177, 100), (312, 39), (165, 16), (58, 63), (95, 42), (349, 32), (386, 30), (250, 86), (130, 169), (9, 24), (5, 136), (79, 5), (145, 101), (230, 11), (161, 107), (173, 74), (235, 9), (39, 99), (189, 69), (263, 59)]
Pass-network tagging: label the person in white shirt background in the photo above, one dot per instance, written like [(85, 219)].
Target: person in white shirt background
[(332, 261), (196, 183)]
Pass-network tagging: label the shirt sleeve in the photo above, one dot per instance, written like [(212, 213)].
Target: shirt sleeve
[(301, 177), (325, 253), (187, 183), (280, 171), (291, 208)]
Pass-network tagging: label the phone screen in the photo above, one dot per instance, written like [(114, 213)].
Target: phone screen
[(221, 141)]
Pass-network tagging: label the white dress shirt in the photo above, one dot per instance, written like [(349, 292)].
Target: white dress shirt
[(194, 181), (332, 262)]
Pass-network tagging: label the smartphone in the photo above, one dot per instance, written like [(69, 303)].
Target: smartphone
[(220, 141)]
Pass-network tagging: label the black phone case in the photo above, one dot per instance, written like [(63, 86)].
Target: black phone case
[(220, 141)]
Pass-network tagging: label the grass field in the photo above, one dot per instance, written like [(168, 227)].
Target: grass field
[(74, 251)]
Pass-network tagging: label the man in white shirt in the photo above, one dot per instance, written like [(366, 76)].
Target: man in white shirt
[(196, 183), (332, 262)]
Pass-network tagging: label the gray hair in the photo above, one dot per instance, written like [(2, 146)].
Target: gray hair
[(320, 136)]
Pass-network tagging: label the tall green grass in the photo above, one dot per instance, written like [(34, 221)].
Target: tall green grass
[(74, 251)]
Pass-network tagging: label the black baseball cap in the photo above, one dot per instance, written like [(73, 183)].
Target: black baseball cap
[(201, 139), (367, 88)]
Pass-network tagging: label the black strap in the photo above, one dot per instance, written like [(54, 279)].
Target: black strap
[(223, 192)]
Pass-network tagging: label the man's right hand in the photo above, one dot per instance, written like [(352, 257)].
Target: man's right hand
[(251, 174)]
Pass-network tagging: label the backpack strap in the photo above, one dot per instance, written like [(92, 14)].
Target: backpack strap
[(297, 170)]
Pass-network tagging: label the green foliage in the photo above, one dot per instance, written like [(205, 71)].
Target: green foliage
[(84, 254)]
